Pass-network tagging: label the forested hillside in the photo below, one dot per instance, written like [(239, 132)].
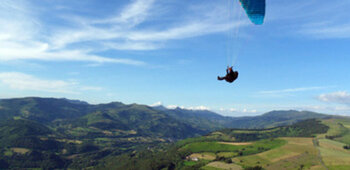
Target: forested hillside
[(60, 133), (218, 148)]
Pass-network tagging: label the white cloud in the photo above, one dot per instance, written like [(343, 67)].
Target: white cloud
[(341, 97), (233, 110), (159, 103), (228, 110), (31, 43), (132, 14), (188, 108), (136, 46), (174, 107), (249, 111), (301, 89), (122, 31), (324, 31), (238, 112), (327, 20), (327, 109), (132, 38), (21, 81), (39, 51), (199, 108)]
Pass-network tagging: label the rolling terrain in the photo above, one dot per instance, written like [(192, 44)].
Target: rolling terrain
[(209, 120), (303, 145), (53, 133)]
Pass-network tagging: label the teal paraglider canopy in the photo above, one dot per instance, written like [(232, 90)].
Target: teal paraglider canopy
[(255, 10)]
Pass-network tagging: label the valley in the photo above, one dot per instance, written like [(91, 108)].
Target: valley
[(51, 133)]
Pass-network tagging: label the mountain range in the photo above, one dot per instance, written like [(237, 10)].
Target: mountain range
[(65, 133)]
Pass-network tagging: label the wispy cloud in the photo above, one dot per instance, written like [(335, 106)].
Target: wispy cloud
[(26, 82), (188, 30), (323, 31), (132, 14), (31, 43), (39, 51), (326, 20), (122, 35), (291, 90), (341, 97), (81, 38), (328, 109)]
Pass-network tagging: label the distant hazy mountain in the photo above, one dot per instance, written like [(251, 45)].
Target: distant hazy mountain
[(273, 119), (177, 123), (210, 120)]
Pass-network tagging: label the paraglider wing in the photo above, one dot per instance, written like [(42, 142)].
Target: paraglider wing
[(255, 10)]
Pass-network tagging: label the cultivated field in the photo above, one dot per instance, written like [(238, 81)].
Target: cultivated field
[(206, 156), (215, 147), (222, 165), (298, 152), (237, 143), (20, 150), (334, 155), (315, 153), (339, 130)]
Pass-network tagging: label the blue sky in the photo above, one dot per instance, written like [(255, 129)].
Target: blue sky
[(171, 51)]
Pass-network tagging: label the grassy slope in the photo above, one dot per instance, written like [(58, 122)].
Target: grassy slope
[(209, 150), (80, 132), (340, 130), (297, 152), (273, 119), (216, 147), (102, 124), (221, 165), (314, 152), (332, 152)]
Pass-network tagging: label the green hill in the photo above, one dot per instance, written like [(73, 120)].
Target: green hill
[(42, 110), (273, 119), (202, 119), (54, 133), (73, 131), (63, 114), (303, 145), (208, 120)]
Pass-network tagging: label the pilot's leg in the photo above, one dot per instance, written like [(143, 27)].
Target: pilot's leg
[(221, 78)]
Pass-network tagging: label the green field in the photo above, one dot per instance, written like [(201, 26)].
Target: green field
[(210, 168), (297, 152), (204, 156), (259, 146), (339, 130), (333, 153), (190, 163), (222, 165), (227, 154), (256, 131), (339, 167), (280, 153)]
